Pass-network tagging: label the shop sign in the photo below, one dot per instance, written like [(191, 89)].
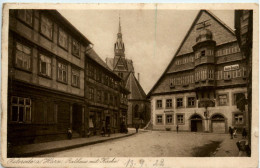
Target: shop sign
[(231, 67)]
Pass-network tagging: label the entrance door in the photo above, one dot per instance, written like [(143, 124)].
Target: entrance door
[(76, 118), (218, 124), (196, 123)]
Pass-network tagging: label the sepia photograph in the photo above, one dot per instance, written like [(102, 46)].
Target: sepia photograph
[(129, 85)]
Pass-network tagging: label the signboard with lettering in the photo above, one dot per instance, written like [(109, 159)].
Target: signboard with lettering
[(231, 67)]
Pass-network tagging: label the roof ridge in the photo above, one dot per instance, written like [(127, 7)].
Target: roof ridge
[(219, 20)]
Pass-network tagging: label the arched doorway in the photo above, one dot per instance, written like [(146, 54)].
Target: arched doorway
[(218, 123), (196, 123)]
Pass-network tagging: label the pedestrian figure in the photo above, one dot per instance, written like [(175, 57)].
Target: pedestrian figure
[(136, 128), (231, 132), (244, 133), (235, 132), (177, 128), (69, 133), (243, 148)]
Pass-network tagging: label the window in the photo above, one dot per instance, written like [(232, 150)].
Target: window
[(202, 53), (210, 74), (46, 27), (99, 98), (91, 94), (75, 47), (21, 109), (238, 73), (227, 75), (191, 101), (75, 77), (168, 103), (179, 102), (45, 65), (63, 39), (23, 56), (159, 103), (168, 119), (26, 16), (62, 72), (204, 74), (180, 119), (159, 119), (239, 119), (222, 100)]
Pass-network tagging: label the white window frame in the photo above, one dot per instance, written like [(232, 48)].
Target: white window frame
[(75, 77), (178, 121), (26, 117), (48, 62), (46, 27), (169, 119), (63, 39), (23, 54), (62, 74), (159, 117)]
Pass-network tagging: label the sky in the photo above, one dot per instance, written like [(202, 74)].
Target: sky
[(151, 37)]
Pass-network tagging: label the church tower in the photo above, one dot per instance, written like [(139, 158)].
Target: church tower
[(138, 106), (120, 62), (119, 47)]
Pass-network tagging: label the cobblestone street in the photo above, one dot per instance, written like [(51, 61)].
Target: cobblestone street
[(159, 144)]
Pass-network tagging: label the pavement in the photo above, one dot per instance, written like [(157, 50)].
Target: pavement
[(160, 143), (56, 146), (228, 147)]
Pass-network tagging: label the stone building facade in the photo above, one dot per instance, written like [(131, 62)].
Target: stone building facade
[(46, 78), (105, 95), (201, 86)]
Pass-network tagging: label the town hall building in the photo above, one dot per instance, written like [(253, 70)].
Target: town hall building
[(203, 83)]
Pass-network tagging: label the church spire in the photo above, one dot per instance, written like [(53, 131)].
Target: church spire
[(119, 28), (119, 47)]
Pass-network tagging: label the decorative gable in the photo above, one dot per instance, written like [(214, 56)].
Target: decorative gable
[(121, 65), (184, 57), (221, 33)]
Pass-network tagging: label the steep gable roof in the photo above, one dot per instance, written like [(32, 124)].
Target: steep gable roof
[(189, 39), (132, 84)]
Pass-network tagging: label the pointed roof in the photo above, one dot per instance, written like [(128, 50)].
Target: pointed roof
[(132, 84), (119, 44), (119, 28), (186, 47), (112, 62)]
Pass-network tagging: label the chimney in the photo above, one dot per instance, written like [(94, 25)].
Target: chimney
[(138, 78)]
